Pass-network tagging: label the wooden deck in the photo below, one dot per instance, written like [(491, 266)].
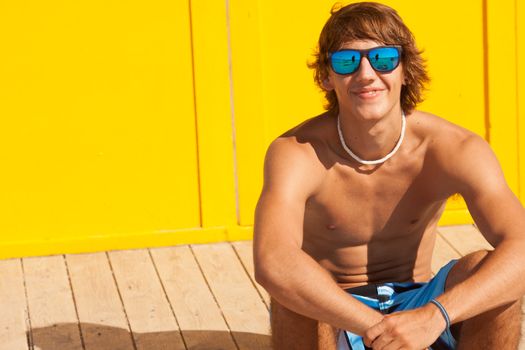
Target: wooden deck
[(184, 297)]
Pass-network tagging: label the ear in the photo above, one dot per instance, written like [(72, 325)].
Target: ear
[(327, 83), (404, 77)]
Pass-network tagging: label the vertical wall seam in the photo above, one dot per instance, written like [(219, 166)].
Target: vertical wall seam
[(486, 88), (519, 155), (232, 115), (192, 48)]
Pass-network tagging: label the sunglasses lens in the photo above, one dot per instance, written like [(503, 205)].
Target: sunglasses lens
[(345, 62), (384, 59)]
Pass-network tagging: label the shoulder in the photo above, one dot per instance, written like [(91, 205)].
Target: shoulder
[(461, 155), (293, 159), (437, 128), (303, 142), (445, 139)]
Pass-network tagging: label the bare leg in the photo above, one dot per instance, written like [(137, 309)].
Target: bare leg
[(495, 329), (291, 330)]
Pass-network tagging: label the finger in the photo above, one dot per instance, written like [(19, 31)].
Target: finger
[(382, 342), (372, 333), (394, 345)]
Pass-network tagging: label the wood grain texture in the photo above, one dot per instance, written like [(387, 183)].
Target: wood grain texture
[(443, 253), (238, 299), (149, 313), (244, 250), (14, 322), (52, 310), (199, 316), (206, 290), (100, 311), (465, 238)]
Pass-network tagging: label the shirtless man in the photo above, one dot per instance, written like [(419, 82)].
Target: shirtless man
[(337, 237)]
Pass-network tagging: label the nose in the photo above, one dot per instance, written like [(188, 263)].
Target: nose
[(365, 71)]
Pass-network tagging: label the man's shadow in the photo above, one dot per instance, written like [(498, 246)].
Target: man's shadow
[(66, 336)]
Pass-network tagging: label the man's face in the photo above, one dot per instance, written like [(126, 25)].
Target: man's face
[(366, 93)]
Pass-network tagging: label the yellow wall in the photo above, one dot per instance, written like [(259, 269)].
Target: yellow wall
[(131, 124), (98, 139), (520, 40)]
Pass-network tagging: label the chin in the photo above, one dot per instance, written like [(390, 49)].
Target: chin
[(372, 112)]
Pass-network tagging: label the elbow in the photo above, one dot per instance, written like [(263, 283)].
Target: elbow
[(261, 274), (266, 275)]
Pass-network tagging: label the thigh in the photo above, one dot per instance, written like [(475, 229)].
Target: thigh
[(291, 330), (460, 272), (465, 267), (498, 325)]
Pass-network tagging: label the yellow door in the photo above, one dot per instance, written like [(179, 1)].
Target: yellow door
[(98, 138), (520, 21)]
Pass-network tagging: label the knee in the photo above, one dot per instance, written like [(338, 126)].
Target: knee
[(465, 267)]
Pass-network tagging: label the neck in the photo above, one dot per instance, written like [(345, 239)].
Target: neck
[(371, 139)]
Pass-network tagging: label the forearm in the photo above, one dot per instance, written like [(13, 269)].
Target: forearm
[(498, 281), (299, 283)]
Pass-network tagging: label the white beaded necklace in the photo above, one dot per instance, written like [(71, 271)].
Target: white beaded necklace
[(377, 161)]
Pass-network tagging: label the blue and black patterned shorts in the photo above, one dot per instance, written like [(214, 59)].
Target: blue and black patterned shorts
[(391, 297)]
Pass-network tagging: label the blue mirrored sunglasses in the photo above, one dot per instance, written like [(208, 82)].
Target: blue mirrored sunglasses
[(383, 59)]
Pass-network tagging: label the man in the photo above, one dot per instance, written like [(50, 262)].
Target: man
[(346, 222)]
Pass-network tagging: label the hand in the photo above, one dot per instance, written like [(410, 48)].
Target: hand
[(412, 329)]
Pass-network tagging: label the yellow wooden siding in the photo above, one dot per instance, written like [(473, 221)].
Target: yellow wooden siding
[(287, 37), (502, 79), (132, 124), (520, 42), (97, 140), (214, 113)]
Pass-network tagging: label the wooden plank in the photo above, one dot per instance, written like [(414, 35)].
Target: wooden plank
[(149, 314), (443, 253), (100, 311), (14, 322), (53, 317), (238, 299), (244, 250), (199, 316), (464, 238)]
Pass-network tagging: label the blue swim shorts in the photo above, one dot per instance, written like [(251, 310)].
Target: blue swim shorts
[(391, 297)]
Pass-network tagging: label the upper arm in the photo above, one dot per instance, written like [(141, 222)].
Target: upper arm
[(478, 177), (290, 177)]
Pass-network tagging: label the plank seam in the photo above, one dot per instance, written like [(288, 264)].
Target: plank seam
[(449, 243), (249, 277), (213, 295), (29, 334), (121, 302), (74, 302), (167, 298)]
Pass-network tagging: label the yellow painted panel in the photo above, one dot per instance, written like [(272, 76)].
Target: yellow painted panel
[(503, 86), (214, 113), (285, 34), (520, 39), (129, 240), (98, 127), (250, 124)]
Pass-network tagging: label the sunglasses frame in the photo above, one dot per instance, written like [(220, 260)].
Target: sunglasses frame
[(365, 53)]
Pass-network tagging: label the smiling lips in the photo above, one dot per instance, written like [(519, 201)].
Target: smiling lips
[(368, 93)]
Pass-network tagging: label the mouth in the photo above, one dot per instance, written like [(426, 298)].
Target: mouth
[(368, 93)]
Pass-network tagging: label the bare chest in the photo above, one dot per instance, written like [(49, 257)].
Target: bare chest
[(353, 209)]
